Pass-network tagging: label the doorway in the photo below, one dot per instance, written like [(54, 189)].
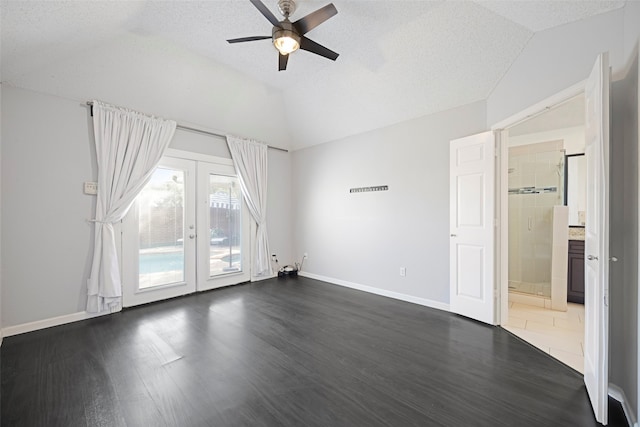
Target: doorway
[(187, 231), (543, 238)]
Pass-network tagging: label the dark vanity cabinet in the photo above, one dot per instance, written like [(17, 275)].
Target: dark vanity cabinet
[(575, 279)]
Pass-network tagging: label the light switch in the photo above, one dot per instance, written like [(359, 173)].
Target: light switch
[(90, 187)]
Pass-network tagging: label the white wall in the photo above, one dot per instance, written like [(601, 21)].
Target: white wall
[(364, 238), (631, 383), (132, 71), (0, 213), (573, 138), (624, 236), (631, 27), (554, 60), (47, 153), (626, 339), (198, 142), (279, 215)]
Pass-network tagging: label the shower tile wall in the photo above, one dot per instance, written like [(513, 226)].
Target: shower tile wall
[(531, 215)]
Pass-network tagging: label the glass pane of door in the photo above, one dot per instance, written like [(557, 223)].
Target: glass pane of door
[(159, 236), (161, 225), (225, 225)]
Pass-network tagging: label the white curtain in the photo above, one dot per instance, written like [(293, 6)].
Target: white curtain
[(250, 161), (129, 146)]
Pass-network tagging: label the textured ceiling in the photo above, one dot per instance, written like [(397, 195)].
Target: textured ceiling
[(398, 59)]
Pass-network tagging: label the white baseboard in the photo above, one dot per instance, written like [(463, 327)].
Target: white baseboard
[(47, 323), (618, 394), (382, 292), (260, 278), (70, 318)]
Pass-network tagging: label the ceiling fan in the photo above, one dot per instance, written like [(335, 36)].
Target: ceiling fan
[(289, 36)]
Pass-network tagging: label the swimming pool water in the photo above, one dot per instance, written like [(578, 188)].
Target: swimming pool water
[(161, 262), (171, 261)]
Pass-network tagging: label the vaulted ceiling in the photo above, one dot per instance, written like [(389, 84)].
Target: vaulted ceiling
[(398, 59)]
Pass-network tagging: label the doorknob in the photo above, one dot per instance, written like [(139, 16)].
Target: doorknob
[(591, 257)]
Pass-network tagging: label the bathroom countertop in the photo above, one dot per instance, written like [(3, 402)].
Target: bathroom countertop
[(576, 233)]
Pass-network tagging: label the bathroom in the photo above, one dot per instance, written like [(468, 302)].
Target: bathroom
[(546, 204)]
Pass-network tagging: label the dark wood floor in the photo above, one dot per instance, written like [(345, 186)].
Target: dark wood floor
[(292, 352)]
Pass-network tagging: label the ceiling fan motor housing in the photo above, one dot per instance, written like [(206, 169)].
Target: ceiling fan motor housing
[(286, 7), (286, 29)]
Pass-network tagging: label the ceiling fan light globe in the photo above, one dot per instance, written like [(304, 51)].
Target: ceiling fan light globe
[(285, 39), (286, 45)]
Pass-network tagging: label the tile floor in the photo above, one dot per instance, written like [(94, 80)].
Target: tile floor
[(559, 333), (540, 289)]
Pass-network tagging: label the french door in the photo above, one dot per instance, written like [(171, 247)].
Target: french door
[(187, 231), (223, 252)]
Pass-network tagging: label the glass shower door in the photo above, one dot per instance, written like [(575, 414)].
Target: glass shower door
[(536, 185)]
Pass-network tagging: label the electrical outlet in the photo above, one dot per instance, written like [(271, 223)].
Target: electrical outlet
[(90, 188), (403, 271)]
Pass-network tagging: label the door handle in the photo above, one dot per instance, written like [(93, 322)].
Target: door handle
[(591, 257), (192, 236), (454, 235)]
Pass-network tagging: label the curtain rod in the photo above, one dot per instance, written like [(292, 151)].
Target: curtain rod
[(206, 132)]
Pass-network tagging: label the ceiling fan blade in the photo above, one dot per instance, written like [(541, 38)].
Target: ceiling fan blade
[(248, 39), (312, 20), (313, 47), (282, 62), (266, 12)]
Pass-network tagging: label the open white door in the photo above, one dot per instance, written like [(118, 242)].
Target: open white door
[(596, 348), (472, 200)]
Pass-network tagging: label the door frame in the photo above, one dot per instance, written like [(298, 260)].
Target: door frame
[(199, 285), (502, 184)]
